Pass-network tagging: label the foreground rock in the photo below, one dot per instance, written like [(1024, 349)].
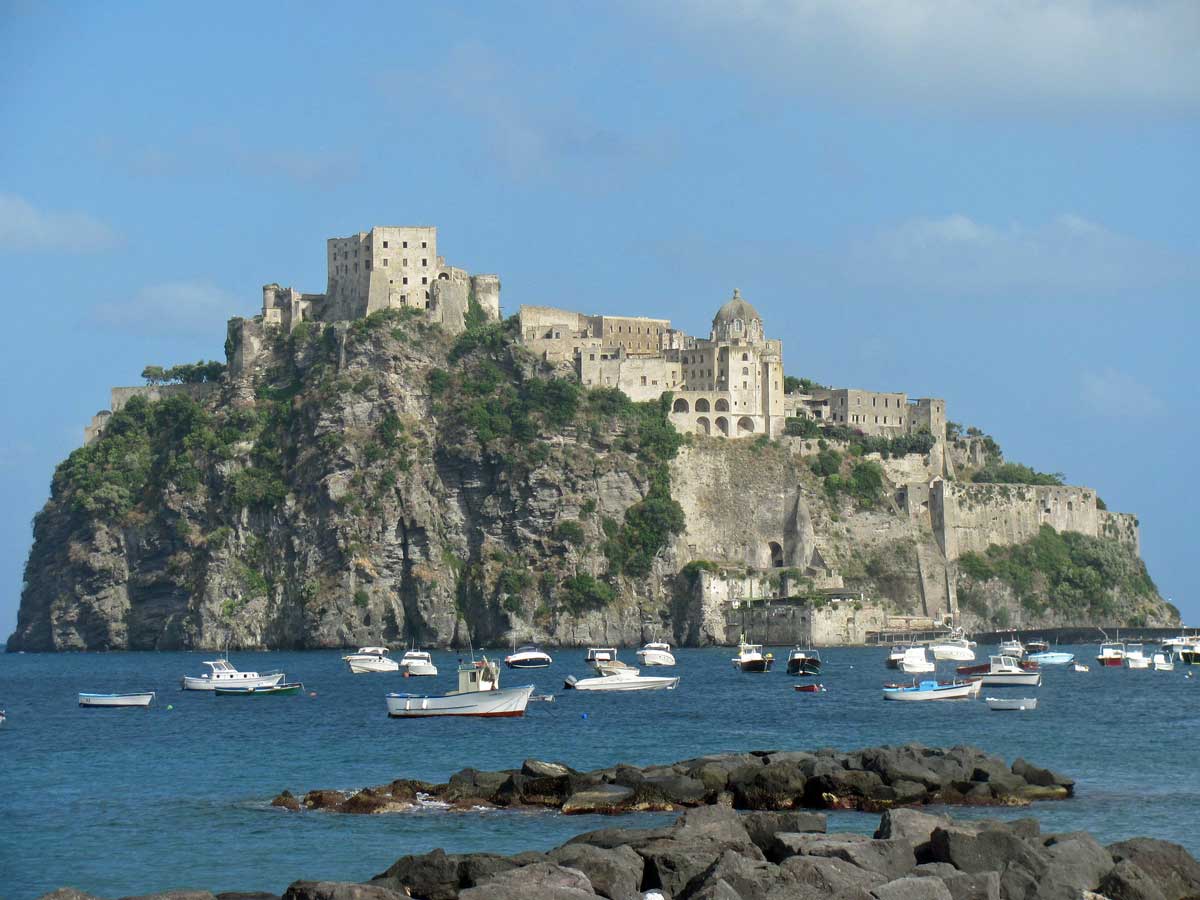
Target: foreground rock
[(717, 853), (873, 779)]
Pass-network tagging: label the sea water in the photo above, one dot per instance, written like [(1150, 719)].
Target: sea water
[(126, 801)]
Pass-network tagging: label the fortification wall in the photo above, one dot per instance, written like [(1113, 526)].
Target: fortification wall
[(639, 377), (970, 517), (1123, 527), (155, 392)]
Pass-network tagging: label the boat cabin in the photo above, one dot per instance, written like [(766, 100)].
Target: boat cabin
[(372, 651), (658, 645), (601, 654), (222, 670), (416, 656), (478, 676)]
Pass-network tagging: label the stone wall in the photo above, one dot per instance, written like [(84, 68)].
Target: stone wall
[(119, 396), (971, 517), (1123, 527), (639, 377)]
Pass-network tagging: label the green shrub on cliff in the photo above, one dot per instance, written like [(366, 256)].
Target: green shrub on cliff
[(1015, 473), (581, 593)]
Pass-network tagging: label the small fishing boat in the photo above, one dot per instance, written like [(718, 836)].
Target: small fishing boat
[(1135, 657), (804, 661), (915, 662), (1080, 667), (810, 688), (656, 653), (1015, 703), (141, 698), (287, 689), (896, 655), (417, 663), (932, 690), (1163, 663), (624, 680), (1036, 645), (1005, 670), (479, 694), (222, 673), (528, 656), (750, 658), (1051, 658), (1112, 654), (370, 659)]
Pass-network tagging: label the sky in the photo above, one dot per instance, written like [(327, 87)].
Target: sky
[(990, 201)]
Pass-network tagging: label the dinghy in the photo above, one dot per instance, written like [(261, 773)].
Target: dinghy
[(141, 699), (288, 689), (1001, 704)]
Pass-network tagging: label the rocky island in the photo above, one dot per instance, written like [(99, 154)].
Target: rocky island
[(393, 461)]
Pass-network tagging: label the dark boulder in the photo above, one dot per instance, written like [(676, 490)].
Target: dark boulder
[(763, 826), (615, 873), (287, 800), (67, 893), (913, 888), (438, 875), (536, 768), (778, 786), (330, 800), (991, 850), (603, 798), (542, 880), (824, 877), (340, 890), (1127, 881), (1171, 867), (1040, 777)]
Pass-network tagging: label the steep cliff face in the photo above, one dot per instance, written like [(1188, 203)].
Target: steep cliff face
[(382, 481)]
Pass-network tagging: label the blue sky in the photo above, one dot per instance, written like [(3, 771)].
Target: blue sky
[(991, 202)]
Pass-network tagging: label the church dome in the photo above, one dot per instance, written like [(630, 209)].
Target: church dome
[(737, 319)]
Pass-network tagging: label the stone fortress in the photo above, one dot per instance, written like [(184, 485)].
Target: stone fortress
[(727, 385)]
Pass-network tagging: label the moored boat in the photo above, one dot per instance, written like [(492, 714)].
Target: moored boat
[(417, 663), (809, 688), (137, 699), (915, 662), (1006, 670), (1163, 663), (1001, 704), (623, 680), (1051, 658), (600, 654), (1135, 657), (479, 694), (370, 659), (613, 666), (528, 656), (1036, 645), (287, 689), (1080, 667), (222, 673), (932, 690), (656, 653), (1013, 648), (1112, 654), (804, 661), (895, 655), (954, 647), (750, 658)]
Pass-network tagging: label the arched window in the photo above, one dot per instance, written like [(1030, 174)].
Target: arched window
[(745, 370), (681, 405), (745, 357)]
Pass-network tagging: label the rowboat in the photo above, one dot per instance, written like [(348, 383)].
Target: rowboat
[(932, 690), (141, 699), (479, 694), (624, 680), (223, 674), (1014, 703), (370, 659), (809, 688), (1051, 658), (1080, 667), (292, 687), (1027, 664)]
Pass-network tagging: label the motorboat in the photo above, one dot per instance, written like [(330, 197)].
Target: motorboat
[(916, 662), (286, 689), (624, 680), (1051, 658), (141, 698), (370, 659), (1006, 670), (528, 656), (1190, 656), (932, 690), (1014, 703), (222, 673), (809, 688), (1036, 645), (600, 654), (417, 663), (895, 655), (1028, 665), (750, 658), (1135, 657), (479, 694), (954, 647), (1163, 663), (804, 661), (1080, 667), (613, 666), (1176, 645), (1013, 648), (1112, 654), (656, 653)]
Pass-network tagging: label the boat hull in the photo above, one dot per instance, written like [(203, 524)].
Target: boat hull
[(531, 662), (203, 683), (804, 667), (1052, 658), (622, 683), (367, 665), (655, 658), (754, 665), (1015, 704), (1113, 662), (502, 703), (94, 701), (941, 692), (279, 690), (955, 654), (1189, 657), (1004, 679)]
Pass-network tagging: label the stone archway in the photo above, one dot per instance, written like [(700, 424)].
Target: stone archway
[(723, 425), (722, 405), (776, 551), (703, 426), (702, 405), (745, 425), (680, 405)]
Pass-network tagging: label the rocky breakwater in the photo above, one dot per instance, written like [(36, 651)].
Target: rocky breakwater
[(716, 853), (872, 779)]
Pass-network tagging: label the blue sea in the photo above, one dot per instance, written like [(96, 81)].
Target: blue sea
[(119, 802)]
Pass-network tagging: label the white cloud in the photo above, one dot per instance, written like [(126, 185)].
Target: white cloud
[(1067, 256), (1114, 394), (932, 51), (170, 308), (24, 228)]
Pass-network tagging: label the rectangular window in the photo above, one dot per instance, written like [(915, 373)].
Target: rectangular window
[(404, 262), (385, 245), (424, 245), (424, 262), (643, 381), (424, 279), (405, 280), (385, 262), (405, 244)]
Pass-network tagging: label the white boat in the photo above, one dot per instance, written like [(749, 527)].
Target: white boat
[(1189, 642), (479, 694), (417, 662), (1080, 667), (915, 662), (528, 656), (1036, 645), (957, 650), (1013, 703), (1007, 670), (1112, 654), (656, 653), (625, 680), (932, 690), (896, 655), (1163, 663), (370, 659), (750, 658), (225, 675), (142, 698), (600, 654), (613, 666), (1051, 658), (1011, 648), (1135, 657)]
